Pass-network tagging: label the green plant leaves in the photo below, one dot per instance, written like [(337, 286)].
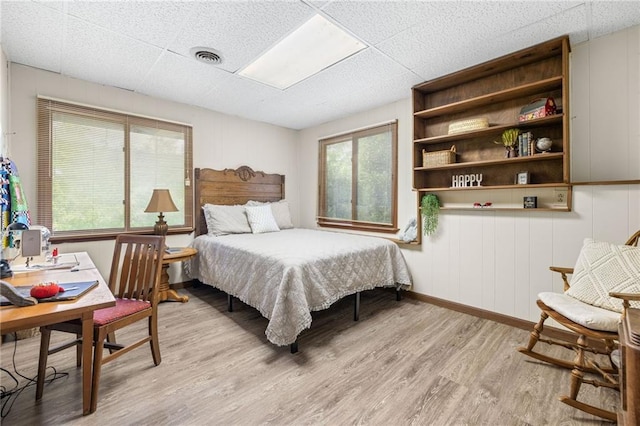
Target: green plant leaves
[(430, 208)]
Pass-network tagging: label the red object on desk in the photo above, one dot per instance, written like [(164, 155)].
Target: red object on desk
[(42, 291)]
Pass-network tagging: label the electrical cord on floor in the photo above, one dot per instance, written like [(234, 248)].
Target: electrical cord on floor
[(9, 396)]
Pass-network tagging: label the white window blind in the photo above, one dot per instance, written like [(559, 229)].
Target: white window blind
[(97, 170)]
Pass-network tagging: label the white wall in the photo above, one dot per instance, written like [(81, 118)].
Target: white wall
[(499, 261), (605, 108), (219, 141)]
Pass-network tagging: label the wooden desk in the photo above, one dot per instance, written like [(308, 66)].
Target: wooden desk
[(165, 292), (14, 318), (629, 413)]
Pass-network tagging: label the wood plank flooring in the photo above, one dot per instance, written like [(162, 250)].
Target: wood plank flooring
[(403, 363)]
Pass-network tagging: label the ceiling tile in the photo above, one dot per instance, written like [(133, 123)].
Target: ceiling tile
[(374, 22), (571, 21), (153, 22), (608, 17), (32, 34), (95, 54), (240, 31), (144, 46), (167, 78)]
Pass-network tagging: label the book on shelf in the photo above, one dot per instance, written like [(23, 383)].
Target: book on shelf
[(520, 146), (172, 250), (531, 143)]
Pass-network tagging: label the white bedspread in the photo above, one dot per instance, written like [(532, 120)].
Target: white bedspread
[(288, 274)]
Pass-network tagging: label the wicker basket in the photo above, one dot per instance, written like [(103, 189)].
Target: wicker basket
[(438, 158)]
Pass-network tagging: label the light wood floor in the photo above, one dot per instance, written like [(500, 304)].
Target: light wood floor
[(403, 363)]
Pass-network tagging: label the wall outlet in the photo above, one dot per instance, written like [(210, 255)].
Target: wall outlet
[(560, 197)]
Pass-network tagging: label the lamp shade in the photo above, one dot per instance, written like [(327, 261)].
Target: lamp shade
[(161, 202)]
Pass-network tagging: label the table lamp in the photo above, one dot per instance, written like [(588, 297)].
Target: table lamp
[(161, 202)]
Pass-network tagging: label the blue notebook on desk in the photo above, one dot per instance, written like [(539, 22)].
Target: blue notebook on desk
[(72, 292)]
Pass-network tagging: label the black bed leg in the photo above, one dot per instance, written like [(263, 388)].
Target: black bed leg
[(398, 295), (356, 307), (229, 303), (294, 347)]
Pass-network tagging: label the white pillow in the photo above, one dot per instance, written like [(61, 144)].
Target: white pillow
[(261, 219), (602, 268), (280, 210), (223, 220)]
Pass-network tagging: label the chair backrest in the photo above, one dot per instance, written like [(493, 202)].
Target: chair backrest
[(633, 241), (136, 266)]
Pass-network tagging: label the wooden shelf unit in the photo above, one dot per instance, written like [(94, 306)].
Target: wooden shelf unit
[(495, 90)]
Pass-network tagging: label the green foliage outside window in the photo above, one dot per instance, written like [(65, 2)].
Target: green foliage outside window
[(358, 177)]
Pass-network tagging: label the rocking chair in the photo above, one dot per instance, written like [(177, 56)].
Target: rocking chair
[(592, 313)]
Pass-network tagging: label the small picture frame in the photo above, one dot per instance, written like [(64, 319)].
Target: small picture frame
[(522, 178), (530, 202)]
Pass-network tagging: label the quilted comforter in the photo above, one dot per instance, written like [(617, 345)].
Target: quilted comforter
[(288, 274)]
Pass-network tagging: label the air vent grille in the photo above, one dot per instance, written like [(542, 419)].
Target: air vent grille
[(207, 55)]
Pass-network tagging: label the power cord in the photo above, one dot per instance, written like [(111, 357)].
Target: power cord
[(9, 396)]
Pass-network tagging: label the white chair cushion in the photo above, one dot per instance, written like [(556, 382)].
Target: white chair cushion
[(581, 313), (602, 268)]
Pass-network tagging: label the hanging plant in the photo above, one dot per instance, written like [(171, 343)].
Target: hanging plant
[(430, 205)]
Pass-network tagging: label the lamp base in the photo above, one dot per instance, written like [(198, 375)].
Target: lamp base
[(161, 227)]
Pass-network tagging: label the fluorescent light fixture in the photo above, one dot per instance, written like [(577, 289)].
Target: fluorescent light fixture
[(314, 46)]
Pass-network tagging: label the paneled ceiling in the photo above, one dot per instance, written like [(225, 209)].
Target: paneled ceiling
[(143, 46)]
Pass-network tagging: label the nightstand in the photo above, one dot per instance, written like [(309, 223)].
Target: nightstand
[(164, 291)]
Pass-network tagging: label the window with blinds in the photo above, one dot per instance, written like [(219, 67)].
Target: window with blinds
[(97, 170), (358, 180)]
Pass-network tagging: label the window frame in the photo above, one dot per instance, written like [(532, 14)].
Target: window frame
[(352, 224), (44, 110)]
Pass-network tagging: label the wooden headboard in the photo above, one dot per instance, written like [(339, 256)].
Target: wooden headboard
[(229, 187)]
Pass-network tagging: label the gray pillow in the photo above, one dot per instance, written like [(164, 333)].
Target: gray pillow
[(223, 220)]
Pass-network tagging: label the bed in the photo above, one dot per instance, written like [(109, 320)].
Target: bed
[(284, 274)]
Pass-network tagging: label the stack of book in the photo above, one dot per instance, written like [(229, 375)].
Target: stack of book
[(526, 145)]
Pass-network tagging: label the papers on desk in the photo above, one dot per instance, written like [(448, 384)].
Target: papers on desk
[(62, 262), (72, 292)]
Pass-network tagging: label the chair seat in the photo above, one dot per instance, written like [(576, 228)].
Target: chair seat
[(123, 308), (581, 313)]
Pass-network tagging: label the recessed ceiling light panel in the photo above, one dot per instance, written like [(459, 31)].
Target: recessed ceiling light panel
[(312, 47), (206, 55)]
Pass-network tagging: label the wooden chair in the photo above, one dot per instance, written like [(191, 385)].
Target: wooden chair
[(599, 339), (606, 378), (135, 273)]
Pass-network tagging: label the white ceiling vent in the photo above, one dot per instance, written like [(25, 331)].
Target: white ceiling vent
[(206, 55)]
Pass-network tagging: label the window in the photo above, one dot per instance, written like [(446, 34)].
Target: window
[(97, 170), (358, 180)]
